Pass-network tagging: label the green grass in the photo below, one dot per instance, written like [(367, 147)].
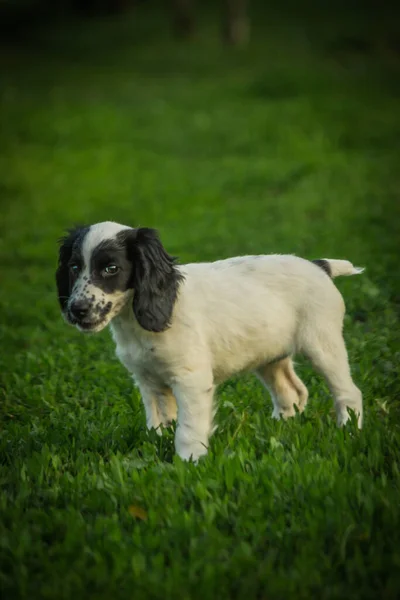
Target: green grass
[(290, 145)]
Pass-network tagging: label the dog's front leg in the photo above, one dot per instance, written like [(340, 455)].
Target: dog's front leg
[(194, 393)]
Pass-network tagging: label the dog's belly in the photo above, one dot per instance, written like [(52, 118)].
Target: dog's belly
[(245, 357), (222, 372)]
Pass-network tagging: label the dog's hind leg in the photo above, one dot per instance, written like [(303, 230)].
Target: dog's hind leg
[(328, 353), (285, 387)]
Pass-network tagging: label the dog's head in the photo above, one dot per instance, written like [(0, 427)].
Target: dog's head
[(104, 267)]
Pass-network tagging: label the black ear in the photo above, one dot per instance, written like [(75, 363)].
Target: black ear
[(62, 274), (156, 279)]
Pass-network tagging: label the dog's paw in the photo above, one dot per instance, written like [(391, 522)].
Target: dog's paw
[(193, 451)]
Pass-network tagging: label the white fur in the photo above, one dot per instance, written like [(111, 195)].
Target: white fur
[(343, 267), (97, 234), (249, 313)]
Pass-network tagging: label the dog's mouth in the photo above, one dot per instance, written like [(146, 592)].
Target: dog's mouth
[(86, 325), (89, 325)]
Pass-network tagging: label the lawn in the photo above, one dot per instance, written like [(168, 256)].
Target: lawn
[(290, 145)]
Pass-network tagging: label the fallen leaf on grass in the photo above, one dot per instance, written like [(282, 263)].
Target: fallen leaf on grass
[(383, 405), (138, 512)]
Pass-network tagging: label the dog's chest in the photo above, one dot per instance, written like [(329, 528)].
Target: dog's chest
[(137, 352)]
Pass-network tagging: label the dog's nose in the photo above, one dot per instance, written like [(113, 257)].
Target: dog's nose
[(80, 308)]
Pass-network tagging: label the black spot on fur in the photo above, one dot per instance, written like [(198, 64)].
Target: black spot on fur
[(71, 243), (324, 265), (102, 311), (105, 310)]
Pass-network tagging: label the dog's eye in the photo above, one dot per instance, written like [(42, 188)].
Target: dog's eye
[(74, 268), (110, 270)]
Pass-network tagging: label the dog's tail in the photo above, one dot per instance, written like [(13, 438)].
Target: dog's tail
[(334, 267)]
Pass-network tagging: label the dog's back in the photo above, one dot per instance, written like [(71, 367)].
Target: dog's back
[(252, 309)]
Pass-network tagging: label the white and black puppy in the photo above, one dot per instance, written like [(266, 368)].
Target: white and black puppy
[(182, 329)]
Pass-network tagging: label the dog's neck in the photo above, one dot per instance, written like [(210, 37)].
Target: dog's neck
[(125, 317), (125, 324)]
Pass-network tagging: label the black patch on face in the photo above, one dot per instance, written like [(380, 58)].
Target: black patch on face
[(70, 245), (110, 252), (324, 265)]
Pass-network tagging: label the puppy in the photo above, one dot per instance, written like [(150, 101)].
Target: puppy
[(180, 330)]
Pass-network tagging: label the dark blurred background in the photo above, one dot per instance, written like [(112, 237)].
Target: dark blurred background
[(232, 116)]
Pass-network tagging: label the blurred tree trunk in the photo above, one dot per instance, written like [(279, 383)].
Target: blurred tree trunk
[(183, 17), (118, 6), (235, 22), (101, 6)]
